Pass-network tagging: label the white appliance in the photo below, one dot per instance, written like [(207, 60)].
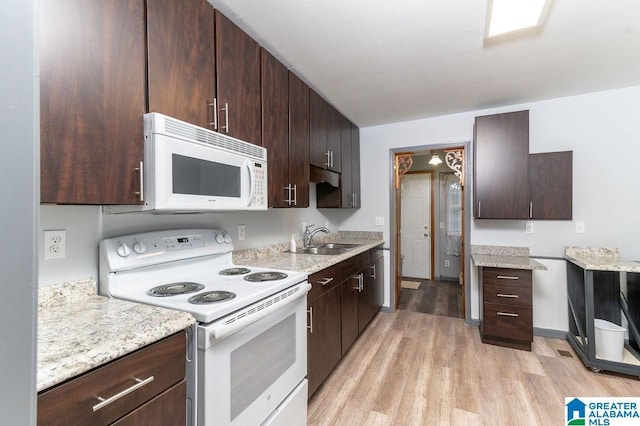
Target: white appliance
[(188, 168), (251, 339)]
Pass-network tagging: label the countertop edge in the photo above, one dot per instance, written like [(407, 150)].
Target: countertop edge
[(604, 263), (511, 262)]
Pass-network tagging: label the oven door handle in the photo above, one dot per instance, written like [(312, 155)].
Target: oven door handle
[(242, 318)]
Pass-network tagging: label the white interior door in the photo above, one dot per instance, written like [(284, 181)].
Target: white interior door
[(415, 226)]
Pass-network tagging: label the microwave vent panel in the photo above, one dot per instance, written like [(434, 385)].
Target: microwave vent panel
[(190, 132)]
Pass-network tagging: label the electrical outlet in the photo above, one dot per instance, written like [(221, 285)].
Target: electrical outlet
[(241, 233), (579, 227), (55, 244), (447, 263)]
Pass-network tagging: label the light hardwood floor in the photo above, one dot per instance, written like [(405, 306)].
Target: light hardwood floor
[(411, 368)]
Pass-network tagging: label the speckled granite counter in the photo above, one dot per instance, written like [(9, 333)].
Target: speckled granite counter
[(79, 330), (276, 256), (600, 259), (504, 257)]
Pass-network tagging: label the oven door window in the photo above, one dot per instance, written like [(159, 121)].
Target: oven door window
[(259, 363), (193, 176)]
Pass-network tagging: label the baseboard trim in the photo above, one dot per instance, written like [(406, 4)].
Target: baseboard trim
[(548, 332)]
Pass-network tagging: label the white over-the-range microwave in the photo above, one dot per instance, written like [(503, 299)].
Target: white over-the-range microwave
[(188, 168)]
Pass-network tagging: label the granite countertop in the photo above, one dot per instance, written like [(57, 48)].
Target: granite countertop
[(504, 257), (277, 256), (79, 330), (600, 259)]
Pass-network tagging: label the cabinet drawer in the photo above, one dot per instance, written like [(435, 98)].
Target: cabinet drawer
[(355, 264), (376, 253), (168, 408), (160, 365), (508, 321), (507, 294), (323, 281), (505, 276)]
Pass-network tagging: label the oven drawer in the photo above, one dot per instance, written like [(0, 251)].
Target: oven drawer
[(323, 281), (508, 321), (157, 367), (507, 294)]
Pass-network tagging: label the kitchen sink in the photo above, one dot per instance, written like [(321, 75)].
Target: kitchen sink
[(327, 249)]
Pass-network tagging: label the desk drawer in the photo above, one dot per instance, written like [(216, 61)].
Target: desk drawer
[(505, 276), (508, 321), (507, 294), (157, 366)]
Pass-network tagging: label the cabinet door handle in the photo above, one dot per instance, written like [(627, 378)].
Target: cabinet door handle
[(310, 326), (328, 154), (479, 209), (226, 117), (214, 106), (331, 158), (506, 314), (507, 277), (360, 279), (530, 209), (508, 296), (325, 281), (373, 273), (288, 189), (295, 194), (104, 402), (140, 170)]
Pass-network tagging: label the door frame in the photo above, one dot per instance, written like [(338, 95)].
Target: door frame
[(394, 214), (431, 212)]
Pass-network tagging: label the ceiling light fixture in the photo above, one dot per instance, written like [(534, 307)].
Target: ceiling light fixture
[(435, 160), (509, 16)]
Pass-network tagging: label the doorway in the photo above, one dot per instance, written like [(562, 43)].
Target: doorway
[(429, 260)]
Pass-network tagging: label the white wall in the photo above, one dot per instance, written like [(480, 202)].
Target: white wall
[(603, 132), (86, 225)]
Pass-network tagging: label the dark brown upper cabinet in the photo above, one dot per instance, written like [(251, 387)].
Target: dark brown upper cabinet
[(181, 64), (299, 140), (238, 82), (509, 182), (92, 99), (325, 130), (551, 185), (285, 133), (350, 178), (501, 157)]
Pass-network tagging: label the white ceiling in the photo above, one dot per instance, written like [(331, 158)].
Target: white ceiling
[(383, 61)]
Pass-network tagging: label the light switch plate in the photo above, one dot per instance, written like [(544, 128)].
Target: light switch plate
[(580, 227), (380, 220), (528, 227)]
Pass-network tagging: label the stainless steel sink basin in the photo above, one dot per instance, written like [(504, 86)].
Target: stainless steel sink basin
[(327, 249), (337, 246)]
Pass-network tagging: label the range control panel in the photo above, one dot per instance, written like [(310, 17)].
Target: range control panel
[(151, 248)]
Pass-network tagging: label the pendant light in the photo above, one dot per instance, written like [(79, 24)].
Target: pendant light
[(435, 160)]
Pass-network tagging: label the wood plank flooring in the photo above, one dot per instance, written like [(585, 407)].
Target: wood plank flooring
[(432, 297), (411, 368)]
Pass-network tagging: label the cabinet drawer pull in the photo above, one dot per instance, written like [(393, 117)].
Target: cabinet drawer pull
[(325, 281), (506, 277), (310, 326), (104, 402), (509, 296), (506, 314)]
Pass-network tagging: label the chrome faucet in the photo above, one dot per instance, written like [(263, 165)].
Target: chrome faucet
[(308, 235)]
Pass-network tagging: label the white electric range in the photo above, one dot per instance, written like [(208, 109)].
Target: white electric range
[(250, 349)]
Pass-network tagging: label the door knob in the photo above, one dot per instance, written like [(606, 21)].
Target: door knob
[(426, 234)]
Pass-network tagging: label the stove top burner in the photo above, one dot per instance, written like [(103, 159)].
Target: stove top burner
[(174, 289), (234, 271), (211, 297), (265, 276)]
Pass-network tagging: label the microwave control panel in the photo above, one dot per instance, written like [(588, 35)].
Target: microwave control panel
[(260, 199)]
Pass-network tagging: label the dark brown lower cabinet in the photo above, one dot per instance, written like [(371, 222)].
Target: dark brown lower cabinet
[(507, 309), (343, 300), (323, 337), (161, 400)]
